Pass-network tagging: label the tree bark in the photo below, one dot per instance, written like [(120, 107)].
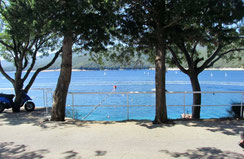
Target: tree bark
[(18, 86), (60, 94), (196, 96), (161, 109)]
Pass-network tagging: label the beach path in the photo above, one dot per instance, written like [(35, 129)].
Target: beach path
[(29, 135)]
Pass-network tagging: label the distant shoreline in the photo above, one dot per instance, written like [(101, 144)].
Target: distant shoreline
[(216, 69), (169, 69)]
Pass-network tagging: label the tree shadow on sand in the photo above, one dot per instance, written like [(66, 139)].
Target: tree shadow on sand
[(206, 153), (11, 151), (72, 155), (75, 155), (22, 117), (225, 126), (38, 117)]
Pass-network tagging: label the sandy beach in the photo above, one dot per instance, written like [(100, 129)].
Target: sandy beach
[(29, 135)]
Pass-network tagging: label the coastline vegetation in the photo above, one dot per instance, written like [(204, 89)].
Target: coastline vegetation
[(85, 63)]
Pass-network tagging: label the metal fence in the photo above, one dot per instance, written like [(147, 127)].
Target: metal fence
[(135, 105), (177, 102), (232, 96)]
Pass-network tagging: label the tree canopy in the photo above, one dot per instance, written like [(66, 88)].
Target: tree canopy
[(24, 36), (218, 28), (83, 25), (148, 26)]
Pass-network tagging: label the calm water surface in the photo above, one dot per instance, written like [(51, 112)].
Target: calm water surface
[(140, 80)]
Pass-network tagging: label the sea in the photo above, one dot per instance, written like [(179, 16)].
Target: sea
[(93, 95)]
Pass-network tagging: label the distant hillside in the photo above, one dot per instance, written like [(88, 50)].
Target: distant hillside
[(83, 62)]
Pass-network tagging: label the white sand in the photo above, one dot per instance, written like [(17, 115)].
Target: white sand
[(27, 135)]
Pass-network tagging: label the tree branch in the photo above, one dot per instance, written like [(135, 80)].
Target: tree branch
[(31, 66), (16, 58), (172, 23), (176, 60), (223, 54), (6, 45), (41, 69), (211, 58), (25, 62), (185, 52), (193, 51), (5, 74), (37, 47)]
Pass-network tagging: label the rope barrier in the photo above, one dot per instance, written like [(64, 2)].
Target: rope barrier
[(101, 102)]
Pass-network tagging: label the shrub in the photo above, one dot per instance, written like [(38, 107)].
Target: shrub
[(235, 110)]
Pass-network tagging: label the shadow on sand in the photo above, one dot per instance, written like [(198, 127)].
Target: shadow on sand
[(35, 118), (39, 118), (227, 126), (11, 151), (204, 152)]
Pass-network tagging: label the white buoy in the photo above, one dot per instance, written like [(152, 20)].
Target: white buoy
[(104, 73), (226, 74), (211, 74)]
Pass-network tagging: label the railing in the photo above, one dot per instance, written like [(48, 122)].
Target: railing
[(42, 97), (241, 100), (175, 101), (100, 103)]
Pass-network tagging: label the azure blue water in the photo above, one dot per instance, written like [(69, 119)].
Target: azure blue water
[(113, 107)]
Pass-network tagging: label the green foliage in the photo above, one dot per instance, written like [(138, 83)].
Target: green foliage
[(24, 33), (216, 28), (91, 22)]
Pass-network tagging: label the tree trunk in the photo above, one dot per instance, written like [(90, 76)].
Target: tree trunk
[(161, 109), (18, 86), (60, 94), (196, 96)]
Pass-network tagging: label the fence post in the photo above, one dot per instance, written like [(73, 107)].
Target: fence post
[(128, 111), (73, 106), (43, 94), (46, 100), (241, 115), (184, 103)]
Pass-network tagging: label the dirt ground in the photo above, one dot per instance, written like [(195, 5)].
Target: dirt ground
[(27, 135)]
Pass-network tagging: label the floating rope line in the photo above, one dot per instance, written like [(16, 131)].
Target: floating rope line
[(95, 107)]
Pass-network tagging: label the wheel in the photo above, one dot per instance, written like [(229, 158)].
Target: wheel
[(2, 107), (29, 106)]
